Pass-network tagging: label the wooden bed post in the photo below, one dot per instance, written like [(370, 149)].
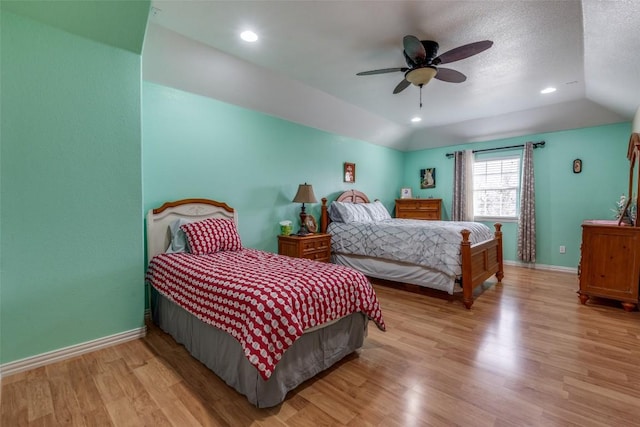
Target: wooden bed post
[(467, 276), (324, 216), (500, 272)]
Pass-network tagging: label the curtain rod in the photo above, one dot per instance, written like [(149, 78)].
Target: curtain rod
[(535, 145)]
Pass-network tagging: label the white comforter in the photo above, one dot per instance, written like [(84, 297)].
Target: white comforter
[(432, 244)]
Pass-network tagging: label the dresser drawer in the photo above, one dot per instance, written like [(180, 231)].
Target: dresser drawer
[(407, 204), (314, 246), (426, 209), (323, 256), (430, 214)]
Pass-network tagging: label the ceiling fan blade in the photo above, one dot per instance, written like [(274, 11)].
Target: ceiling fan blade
[(414, 50), (449, 75), (401, 86), (381, 71), (463, 52)]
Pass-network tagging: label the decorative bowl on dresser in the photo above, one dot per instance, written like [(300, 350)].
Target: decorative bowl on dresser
[(430, 209)]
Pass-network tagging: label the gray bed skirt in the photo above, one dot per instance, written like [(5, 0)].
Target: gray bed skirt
[(312, 353)]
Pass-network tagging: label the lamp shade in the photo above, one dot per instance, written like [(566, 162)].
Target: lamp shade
[(305, 194)]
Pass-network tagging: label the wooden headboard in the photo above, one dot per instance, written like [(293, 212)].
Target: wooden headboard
[(158, 220), (349, 196), (353, 196)]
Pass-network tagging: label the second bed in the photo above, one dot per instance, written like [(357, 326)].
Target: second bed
[(440, 255)]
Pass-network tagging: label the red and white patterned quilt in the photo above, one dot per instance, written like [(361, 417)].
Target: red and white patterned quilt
[(265, 301)]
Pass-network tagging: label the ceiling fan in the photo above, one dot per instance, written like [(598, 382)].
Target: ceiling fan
[(423, 64)]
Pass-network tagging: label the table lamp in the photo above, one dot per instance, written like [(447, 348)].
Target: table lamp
[(304, 195)]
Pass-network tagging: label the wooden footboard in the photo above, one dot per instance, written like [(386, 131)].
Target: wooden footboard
[(479, 262)]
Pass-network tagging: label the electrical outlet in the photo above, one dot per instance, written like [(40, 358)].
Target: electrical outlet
[(563, 249)]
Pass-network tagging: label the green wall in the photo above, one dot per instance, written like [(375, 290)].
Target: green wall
[(195, 146), (71, 213), (563, 199)]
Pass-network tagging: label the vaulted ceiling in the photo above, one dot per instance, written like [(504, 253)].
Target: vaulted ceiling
[(303, 68)]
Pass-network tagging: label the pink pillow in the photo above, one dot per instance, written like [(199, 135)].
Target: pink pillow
[(212, 235)]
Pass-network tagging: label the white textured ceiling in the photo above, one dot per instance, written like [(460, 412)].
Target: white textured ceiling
[(304, 66)]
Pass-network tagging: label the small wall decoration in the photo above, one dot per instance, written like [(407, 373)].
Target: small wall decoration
[(428, 178), (349, 172), (577, 166), (405, 193)]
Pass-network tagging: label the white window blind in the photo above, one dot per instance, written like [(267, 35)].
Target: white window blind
[(496, 187)]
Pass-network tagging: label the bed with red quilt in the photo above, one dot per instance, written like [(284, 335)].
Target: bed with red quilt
[(262, 322)]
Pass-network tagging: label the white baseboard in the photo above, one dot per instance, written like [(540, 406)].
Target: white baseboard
[(542, 266), (69, 352)]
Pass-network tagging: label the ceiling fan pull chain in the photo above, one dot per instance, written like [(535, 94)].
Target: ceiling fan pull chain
[(420, 96)]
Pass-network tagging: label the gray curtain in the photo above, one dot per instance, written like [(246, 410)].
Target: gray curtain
[(527, 220), (462, 209)]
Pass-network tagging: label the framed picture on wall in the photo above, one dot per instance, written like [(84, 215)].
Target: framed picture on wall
[(349, 172), (428, 178), (577, 166), (405, 193)]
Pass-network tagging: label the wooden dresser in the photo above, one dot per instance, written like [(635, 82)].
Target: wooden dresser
[(610, 262), (313, 246), (419, 209)]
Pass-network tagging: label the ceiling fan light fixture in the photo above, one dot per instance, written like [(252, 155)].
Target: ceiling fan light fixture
[(421, 76)]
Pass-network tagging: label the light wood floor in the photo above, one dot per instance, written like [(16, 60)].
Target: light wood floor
[(527, 353)]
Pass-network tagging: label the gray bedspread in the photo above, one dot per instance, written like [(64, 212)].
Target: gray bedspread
[(432, 244)]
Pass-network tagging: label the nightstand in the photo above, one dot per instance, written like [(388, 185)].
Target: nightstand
[(313, 246)]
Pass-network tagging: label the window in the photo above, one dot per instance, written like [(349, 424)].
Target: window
[(496, 187)]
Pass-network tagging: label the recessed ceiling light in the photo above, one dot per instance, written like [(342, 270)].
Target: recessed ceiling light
[(548, 90), (249, 36), (416, 119)]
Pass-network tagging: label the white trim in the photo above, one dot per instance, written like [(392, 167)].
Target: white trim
[(542, 266), (69, 352), (492, 219)]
